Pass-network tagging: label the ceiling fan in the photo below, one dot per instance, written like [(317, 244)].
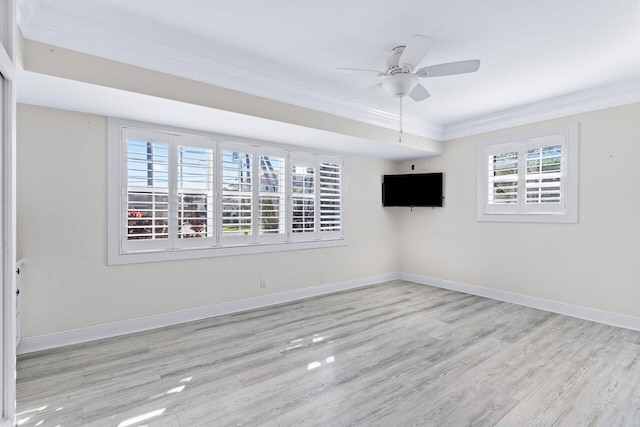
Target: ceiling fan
[(401, 78)]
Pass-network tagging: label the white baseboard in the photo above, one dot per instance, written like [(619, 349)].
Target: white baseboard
[(108, 330), (620, 320), (91, 333)]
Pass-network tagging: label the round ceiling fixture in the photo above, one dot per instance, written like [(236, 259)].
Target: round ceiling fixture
[(400, 84)]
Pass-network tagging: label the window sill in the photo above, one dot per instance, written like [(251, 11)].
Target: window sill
[(194, 253), (561, 218)]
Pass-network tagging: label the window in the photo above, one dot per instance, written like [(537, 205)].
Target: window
[(147, 190), (271, 197), (330, 196), (237, 193), (168, 202), (529, 177), (303, 198), (195, 166), (253, 194), (176, 196)]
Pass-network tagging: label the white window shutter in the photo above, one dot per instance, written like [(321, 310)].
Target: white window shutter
[(545, 174), (529, 176), (170, 191), (330, 195), (145, 195), (195, 193), (303, 187), (271, 209), (503, 178), (236, 188)]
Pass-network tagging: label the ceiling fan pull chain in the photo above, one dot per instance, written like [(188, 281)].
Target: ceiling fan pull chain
[(400, 136)]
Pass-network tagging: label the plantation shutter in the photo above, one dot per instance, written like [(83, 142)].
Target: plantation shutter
[(527, 176), (330, 182), (145, 197), (236, 182), (272, 213), (195, 193), (545, 174), (503, 177), (303, 197), (180, 191)]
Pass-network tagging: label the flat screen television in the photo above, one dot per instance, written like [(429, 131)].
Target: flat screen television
[(420, 189)]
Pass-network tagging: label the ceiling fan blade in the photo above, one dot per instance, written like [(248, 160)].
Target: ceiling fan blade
[(379, 73), (415, 50), (450, 68), (419, 93)]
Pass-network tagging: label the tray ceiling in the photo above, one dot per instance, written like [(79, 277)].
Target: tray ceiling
[(544, 55)]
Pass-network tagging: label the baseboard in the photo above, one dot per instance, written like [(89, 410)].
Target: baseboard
[(109, 330), (620, 320), (91, 333)]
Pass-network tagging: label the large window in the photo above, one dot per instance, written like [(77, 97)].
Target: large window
[(529, 177), (176, 196)]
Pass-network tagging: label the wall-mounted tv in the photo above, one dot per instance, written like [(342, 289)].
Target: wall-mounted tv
[(420, 189)]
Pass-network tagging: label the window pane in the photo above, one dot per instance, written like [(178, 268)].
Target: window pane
[(303, 199), (544, 174), (147, 190), (503, 178), (330, 197), (272, 191), (195, 192), (236, 193)]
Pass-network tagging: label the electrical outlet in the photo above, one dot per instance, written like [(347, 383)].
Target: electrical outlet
[(263, 282)]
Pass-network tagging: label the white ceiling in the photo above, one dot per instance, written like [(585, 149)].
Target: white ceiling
[(532, 52)]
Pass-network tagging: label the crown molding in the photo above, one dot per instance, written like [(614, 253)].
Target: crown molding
[(25, 14), (159, 56), (112, 43), (626, 92)]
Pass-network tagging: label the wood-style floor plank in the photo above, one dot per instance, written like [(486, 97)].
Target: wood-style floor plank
[(392, 354)]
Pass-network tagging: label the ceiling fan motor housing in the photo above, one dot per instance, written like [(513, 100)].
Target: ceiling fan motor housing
[(401, 84)]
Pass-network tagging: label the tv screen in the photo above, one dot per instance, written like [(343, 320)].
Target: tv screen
[(420, 189)]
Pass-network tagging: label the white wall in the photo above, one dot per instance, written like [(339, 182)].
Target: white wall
[(62, 232), (62, 184), (595, 263)]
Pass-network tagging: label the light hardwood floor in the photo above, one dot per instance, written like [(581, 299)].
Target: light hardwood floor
[(393, 354)]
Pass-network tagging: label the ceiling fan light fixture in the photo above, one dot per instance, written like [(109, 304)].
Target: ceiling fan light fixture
[(401, 84)]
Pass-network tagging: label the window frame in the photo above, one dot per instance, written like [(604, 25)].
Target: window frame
[(565, 212), (120, 253), (8, 50)]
